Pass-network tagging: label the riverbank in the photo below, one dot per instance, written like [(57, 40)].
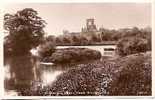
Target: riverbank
[(130, 75)]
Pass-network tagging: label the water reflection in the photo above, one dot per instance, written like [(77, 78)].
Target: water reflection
[(20, 72), (49, 76), (7, 72), (49, 73)]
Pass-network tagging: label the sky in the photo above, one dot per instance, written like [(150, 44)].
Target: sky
[(72, 16)]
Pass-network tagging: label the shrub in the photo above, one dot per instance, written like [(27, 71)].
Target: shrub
[(132, 45), (134, 78), (71, 55), (46, 49)]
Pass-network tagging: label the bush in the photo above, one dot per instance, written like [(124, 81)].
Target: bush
[(72, 55), (132, 45), (134, 78), (46, 49)]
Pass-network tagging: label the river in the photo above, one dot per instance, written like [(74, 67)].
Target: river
[(45, 73)]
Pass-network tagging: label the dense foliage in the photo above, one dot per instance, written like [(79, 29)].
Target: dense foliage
[(46, 49), (25, 31), (72, 55), (132, 45), (134, 41), (135, 77)]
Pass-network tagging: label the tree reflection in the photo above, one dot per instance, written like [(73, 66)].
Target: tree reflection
[(22, 71)]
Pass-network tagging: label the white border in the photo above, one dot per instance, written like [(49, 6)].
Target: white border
[(153, 47), (1, 52), (74, 1), (2, 3)]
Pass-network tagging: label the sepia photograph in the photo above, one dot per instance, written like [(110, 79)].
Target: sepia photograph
[(77, 49)]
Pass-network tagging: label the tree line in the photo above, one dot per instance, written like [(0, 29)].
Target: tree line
[(102, 36)]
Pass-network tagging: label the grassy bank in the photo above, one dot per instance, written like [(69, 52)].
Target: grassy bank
[(130, 75)]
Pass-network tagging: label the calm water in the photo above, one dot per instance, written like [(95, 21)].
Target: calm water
[(45, 74), (49, 73)]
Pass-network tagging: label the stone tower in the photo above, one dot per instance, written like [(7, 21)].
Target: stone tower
[(90, 26)]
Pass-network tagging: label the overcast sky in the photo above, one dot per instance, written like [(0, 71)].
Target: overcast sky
[(73, 17)]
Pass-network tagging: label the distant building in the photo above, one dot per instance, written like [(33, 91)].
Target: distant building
[(90, 26), (90, 29), (87, 31)]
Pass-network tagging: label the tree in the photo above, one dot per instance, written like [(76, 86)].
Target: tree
[(76, 40), (131, 45), (46, 49), (25, 30), (58, 41), (66, 40), (83, 40), (51, 38), (95, 38), (106, 35)]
